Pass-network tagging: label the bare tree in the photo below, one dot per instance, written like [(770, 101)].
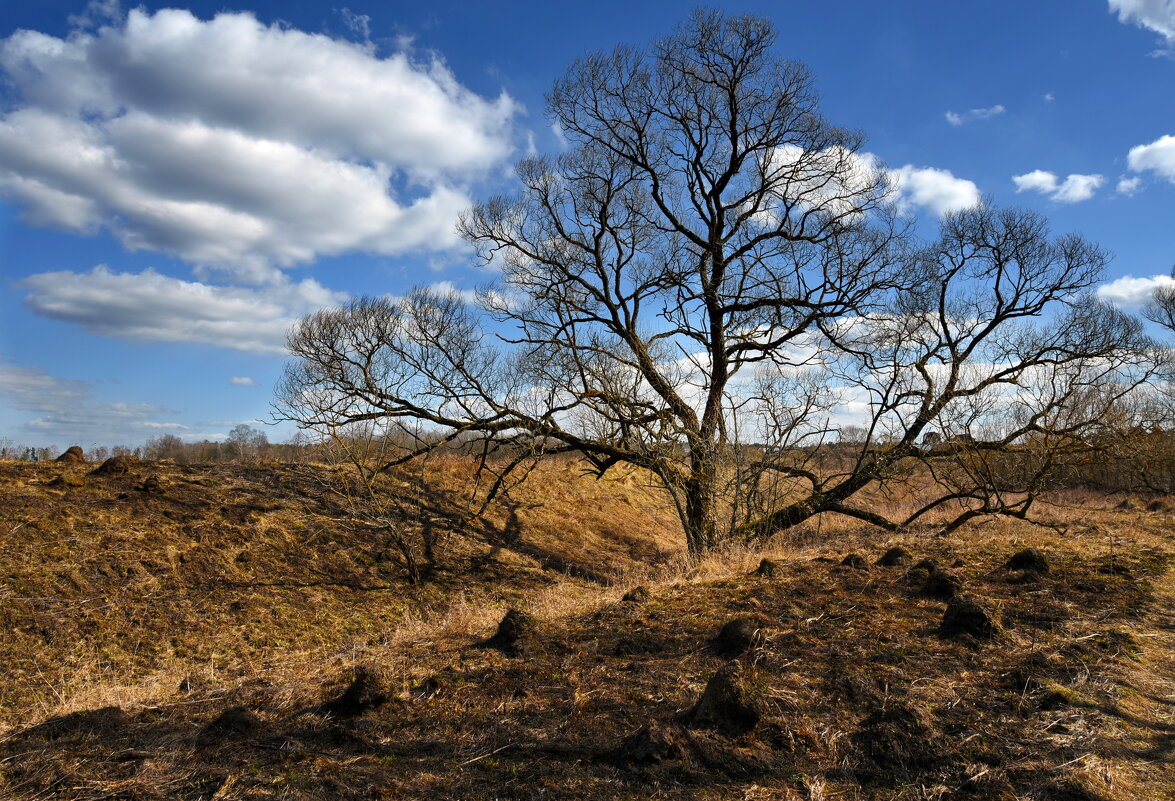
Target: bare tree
[(247, 443), (703, 284)]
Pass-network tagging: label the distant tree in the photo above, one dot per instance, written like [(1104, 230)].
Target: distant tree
[(712, 263), (164, 446), (246, 442)]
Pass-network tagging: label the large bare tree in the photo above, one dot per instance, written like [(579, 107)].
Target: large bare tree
[(704, 282)]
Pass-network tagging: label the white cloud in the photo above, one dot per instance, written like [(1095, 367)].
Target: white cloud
[(1157, 157), (1157, 15), (1049, 97), (938, 191), (242, 381), (957, 119), (69, 412), (359, 24), (150, 307), (228, 142), (1074, 189), (1132, 292), (1128, 186)]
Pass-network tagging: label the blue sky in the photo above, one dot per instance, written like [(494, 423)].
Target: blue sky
[(178, 184)]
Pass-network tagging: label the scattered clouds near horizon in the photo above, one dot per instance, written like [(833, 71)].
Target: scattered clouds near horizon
[(1155, 15), (957, 119), (151, 307), (236, 145), (67, 412), (1074, 189), (242, 381), (1131, 292)]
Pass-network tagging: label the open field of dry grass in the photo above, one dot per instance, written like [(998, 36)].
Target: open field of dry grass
[(210, 635)]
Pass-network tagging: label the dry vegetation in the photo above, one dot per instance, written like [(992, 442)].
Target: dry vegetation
[(210, 633)]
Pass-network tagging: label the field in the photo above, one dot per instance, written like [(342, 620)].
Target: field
[(212, 632)]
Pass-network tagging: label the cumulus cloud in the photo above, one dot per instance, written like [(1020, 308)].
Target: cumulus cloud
[(1074, 189), (1157, 157), (68, 411), (938, 191), (151, 307), (227, 142), (1156, 15), (957, 119), (242, 381), (1128, 186), (1131, 292)]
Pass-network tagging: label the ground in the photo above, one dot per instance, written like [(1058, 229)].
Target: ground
[(309, 670)]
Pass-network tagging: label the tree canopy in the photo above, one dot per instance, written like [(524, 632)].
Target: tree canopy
[(708, 283)]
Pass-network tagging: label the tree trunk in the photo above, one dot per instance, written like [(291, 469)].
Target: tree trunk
[(700, 513)]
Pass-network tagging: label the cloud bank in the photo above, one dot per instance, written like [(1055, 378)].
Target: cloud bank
[(68, 412), (1131, 292), (150, 307), (230, 143), (1155, 15)]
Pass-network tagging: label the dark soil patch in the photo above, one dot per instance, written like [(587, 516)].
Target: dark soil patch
[(896, 555), (637, 595), (116, 466), (235, 723), (855, 561), (769, 568), (729, 704), (966, 615), (73, 454), (942, 585), (368, 690), (738, 636), (1028, 559)]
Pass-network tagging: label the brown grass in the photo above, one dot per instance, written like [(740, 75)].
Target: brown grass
[(861, 698)]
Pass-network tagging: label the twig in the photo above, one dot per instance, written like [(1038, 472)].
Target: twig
[(483, 756)]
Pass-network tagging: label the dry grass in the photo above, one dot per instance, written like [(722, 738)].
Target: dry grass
[(860, 697)]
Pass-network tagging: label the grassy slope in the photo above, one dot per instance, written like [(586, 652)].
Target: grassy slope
[(860, 696), (224, 570)]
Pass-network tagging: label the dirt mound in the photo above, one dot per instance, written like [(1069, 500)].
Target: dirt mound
[(151, 484), (1028, 559), (116, 466), (916, 577), (72, 455), (1127, 505), (737, 637), (769, 568), (235, 723), (1159, 505), (965, 615), (515, 627), (896, 555), (729, 704), (942, 584), (651, 744), (897, 740), (369, 689), (637, 595), (855, 561)]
